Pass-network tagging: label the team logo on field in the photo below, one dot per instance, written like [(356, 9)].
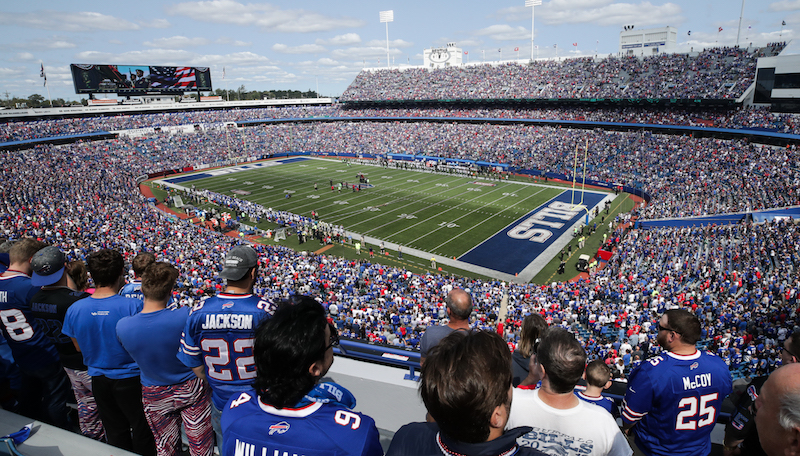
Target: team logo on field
[(280, 428), (227, 305), (694, 366)]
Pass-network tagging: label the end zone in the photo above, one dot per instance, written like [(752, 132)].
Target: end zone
[(515, 248)]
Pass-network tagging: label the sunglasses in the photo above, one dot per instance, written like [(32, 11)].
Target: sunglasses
[(662, 328), (334, 341)]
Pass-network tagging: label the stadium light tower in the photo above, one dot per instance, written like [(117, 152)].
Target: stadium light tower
[(533, 4), (741, 13), (387, 16)]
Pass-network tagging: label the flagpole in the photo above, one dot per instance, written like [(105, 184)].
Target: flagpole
[(45, 84), (48, 93)]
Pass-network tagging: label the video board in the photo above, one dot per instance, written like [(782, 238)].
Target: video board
[(139, 79)]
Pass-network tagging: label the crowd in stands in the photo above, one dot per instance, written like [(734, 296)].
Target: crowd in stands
[(740, 278), (713, 73), (743, 118), (686, 176)]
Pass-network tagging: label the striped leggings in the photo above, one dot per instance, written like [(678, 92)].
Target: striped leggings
[(166, 406), (88, 417)]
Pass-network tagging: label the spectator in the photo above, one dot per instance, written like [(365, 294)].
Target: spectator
[(45, 387), (740, 431), (92, 324), (171, 393), (459, 308), (466, 387), (217, 342), (50, 306), (598, 378), (533, 328), (562, 423), (286, 406), (673, 399), (133, 289), (778, 412)]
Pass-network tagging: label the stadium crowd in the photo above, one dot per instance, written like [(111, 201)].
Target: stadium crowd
[(740, 280), (744, 276), (742, 118), (713, 73), (716, 176)]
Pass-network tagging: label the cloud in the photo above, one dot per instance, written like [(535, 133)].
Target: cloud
[(603, 12), (12, 72), (264, 15), (505, 32), (341, 40), (363, 52), (156, 23), (464, 43), (392, 43), (65, 21), (24, 57), (54, 42), (148, 57), (302, 49), (230, 42), (785, 5), (237, 58), (177, 42)]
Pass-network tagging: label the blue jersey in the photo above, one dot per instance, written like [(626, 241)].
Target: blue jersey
[(132, 290), (676, 400), (250, 427), (602, 401), (28, 341), (219, 335), (93, 323), (152, 339)]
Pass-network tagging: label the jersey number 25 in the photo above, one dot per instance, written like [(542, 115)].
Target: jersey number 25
[(687, 419)]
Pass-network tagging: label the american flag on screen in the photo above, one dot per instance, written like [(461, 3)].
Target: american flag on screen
[(172, 77)]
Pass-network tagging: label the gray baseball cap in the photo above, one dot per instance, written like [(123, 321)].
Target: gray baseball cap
[(238, 261), (48, 266)]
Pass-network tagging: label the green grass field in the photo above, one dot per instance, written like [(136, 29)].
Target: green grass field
[(436, 213)]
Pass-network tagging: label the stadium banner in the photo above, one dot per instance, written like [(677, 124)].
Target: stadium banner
[(786, 213), (514, 247), (722, 219), (139, 79), (409, 157)]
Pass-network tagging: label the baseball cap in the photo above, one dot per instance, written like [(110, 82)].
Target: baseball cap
[(48, 266), (238, 261)]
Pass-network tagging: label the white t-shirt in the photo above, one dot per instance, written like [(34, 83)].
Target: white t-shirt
[(585, 429)]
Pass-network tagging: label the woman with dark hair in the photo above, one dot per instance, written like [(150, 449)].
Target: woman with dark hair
[(292, 351), (533, 328)]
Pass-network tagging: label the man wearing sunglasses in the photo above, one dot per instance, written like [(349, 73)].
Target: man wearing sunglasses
[(741, 436), (286, 411), (673, 399)]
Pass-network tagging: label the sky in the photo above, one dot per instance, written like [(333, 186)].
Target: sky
[(322, 45)]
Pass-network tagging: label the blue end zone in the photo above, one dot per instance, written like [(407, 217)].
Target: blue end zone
[(518, 244), (292, 160), (178, 180)]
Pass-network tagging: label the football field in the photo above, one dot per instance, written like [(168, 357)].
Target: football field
[(439, 214)]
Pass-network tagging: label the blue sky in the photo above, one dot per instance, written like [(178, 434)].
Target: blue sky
[(302, 45)]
